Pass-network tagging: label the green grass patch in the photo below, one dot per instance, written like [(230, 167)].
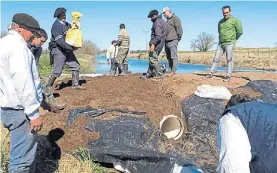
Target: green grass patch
[(45, 69)]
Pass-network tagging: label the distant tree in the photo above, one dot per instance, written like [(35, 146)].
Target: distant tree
[(203, 43), (275, 44), (193, 44)]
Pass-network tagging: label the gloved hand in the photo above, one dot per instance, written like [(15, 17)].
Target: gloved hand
[(75, 48)]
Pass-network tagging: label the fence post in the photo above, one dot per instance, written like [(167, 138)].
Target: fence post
[(248, 53)]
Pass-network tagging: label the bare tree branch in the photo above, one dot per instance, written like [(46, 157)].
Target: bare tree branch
[(204, 42)]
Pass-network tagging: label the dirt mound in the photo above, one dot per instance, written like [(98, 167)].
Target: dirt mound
[(126, 92), (157, 98)]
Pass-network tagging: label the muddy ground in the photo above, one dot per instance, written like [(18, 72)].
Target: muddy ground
[(156, 97)]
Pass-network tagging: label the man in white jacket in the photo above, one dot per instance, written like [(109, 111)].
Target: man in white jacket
[(111, 54), (20, 92)]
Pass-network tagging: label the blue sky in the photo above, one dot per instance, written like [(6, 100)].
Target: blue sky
[(101, 20)]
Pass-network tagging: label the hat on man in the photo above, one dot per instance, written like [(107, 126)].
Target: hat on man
[(152, 13), (59, 11), (26, 20), (166, 9), (114, 41)]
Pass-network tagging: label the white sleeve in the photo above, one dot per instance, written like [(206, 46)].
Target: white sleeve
[(108, 54), (234, 146), (26, 81), (116, 51)]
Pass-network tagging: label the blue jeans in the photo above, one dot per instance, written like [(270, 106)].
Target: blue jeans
[(23, 143), (229, 50)]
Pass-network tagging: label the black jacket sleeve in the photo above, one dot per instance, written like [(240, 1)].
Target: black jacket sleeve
[(58, 35), (158, 33)]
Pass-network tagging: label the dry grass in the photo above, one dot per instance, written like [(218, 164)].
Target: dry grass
[(67, 163), (263, 58)]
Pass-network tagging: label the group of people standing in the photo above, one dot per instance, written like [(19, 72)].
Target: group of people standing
[(163, 34), (22, 90), (167, 35)]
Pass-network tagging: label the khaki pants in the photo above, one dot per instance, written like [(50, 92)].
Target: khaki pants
[(121, 60)]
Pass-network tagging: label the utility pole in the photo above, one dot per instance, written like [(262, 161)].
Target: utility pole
[(146, 39)]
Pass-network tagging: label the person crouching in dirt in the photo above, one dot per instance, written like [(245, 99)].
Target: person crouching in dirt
[(111, 54), (61, 53), (247, 137), (34, 45), (158, 35)]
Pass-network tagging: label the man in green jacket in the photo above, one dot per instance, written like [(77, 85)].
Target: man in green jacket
[(229, 30)]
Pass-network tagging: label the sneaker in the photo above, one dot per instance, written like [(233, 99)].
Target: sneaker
[(227, 79), (122, 74), (78, 87), (209, 75), (144, 77)]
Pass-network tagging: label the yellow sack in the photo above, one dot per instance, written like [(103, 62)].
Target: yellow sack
[(74, 36)]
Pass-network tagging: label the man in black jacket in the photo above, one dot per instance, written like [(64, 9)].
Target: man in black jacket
[(158, 34), (61, 53)]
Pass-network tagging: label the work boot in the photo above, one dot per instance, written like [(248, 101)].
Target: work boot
[(227, 79), (51, 81), (145, 77), (54, 105), (210, 75), (123, 70), (75, 81)]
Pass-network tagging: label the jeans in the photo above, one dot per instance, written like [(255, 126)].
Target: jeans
[(113, 66), (172, 54), (23, 142), (229, 50)]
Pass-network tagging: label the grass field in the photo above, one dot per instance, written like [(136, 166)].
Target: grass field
[(85, 60), (262, 58)]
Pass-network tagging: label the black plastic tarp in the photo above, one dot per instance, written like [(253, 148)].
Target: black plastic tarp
[(202, 116), (267, 88), (133, 144), (137, 146), (92, 112)]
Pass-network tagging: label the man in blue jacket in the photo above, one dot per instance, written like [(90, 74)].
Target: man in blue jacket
[(247, 137), (61, 53), (158, 35)]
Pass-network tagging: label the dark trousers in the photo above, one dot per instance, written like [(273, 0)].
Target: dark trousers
[(61, 58), (114, 66), (154, 68)]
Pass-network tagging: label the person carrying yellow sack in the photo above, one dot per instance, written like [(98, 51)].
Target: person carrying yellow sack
[(74, 36)]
